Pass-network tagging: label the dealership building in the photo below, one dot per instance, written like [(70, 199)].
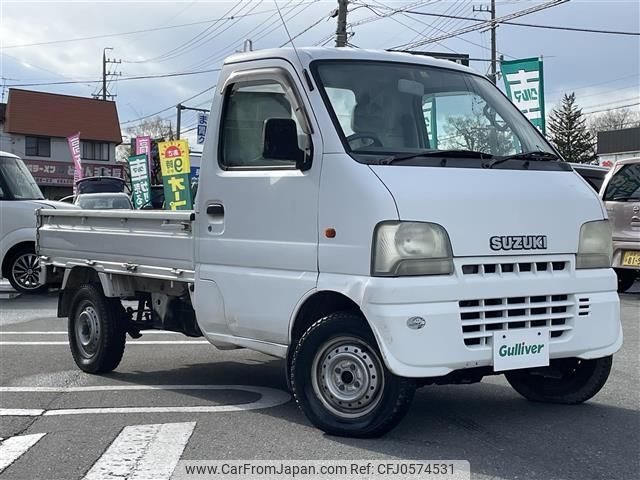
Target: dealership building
[(35, 127)]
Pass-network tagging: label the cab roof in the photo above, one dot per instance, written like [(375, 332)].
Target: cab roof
[(306, 55)]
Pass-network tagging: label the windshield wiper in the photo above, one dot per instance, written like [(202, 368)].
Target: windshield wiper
[(435, 153), (533, 155)]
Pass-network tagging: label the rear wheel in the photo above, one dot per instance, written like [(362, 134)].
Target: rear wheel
[(23, 270), (569, 381), (341, 383), (96, 330), (626, 279)]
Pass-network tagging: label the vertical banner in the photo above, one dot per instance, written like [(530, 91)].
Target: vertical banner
[(524, 82), (175, 167), (203, 119), (431, 120), (140, 184), (143, 147), (76, 158)]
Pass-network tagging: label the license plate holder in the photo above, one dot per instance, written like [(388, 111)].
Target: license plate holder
[(631, 258), (520, 348)]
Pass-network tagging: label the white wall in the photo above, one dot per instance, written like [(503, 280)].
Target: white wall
[(60, 152)]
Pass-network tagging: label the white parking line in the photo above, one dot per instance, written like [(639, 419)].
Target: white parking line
[(134, 342), (13, 448), (269, 397), (143, 452)]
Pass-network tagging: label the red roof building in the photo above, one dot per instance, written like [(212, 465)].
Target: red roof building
[(36, 126)]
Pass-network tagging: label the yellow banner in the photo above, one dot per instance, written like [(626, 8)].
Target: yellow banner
[(174, 157)]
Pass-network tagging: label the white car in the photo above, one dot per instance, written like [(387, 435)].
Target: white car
[(20, 197)]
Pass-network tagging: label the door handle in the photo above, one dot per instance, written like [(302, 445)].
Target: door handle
[(215, 209)]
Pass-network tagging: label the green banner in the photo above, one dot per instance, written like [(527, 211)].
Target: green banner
[(524, 82), (140, 185), (177, 192)]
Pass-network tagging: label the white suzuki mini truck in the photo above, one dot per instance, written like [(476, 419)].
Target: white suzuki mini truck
[(381, 221)]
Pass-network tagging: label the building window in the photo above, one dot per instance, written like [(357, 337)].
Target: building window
[(95, 151), (37, 147)]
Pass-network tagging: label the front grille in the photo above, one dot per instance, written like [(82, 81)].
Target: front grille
[(509, 268), (480, 318)]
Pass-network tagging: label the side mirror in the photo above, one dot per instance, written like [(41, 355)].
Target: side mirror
[(280, 139)]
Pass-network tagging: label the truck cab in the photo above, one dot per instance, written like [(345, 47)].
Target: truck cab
[(380, 221)]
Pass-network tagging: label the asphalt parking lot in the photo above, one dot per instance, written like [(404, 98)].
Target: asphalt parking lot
[(59, 423)]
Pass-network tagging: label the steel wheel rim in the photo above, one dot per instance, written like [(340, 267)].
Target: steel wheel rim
[(347, 377), (26, 271), (87, 331)]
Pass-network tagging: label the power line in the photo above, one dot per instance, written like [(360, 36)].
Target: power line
[(408, 26), (530, 25), (144, 117), (198, 39), (134, 32), (612, 108), (122, 79), (266, 29), (612, 102), (484, 24), (313, 25), (594, 84), (421, 34)]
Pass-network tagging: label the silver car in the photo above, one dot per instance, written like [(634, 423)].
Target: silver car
[(621, 196), (101, 201)]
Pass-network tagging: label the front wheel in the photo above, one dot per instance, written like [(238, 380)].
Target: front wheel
[(568, 381), (340, 382), (23, 268), (96, 330)]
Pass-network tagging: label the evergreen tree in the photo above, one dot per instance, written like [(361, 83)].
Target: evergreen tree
[(567, 130)]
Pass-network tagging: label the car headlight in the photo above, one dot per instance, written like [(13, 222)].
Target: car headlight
[(411, 248), (595, 248)]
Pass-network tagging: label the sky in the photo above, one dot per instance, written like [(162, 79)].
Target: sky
[(46, 41)]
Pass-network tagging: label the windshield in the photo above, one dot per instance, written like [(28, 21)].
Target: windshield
[(103, 202), (16, 181), (390, 108)]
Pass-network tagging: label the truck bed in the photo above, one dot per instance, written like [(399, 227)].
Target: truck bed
[(153, 244)]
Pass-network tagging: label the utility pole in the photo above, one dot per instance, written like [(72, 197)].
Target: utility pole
[(104, 94), (493, 76), (341, 30), (179, 115)]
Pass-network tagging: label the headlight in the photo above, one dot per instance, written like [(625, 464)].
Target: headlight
[(595, 248), (411, 248)]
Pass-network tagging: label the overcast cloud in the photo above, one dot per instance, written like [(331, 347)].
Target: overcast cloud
[(603, 70)]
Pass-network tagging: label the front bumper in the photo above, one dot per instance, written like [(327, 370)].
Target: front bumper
[(588, 325)]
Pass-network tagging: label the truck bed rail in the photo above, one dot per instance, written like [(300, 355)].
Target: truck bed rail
[(153, 244)]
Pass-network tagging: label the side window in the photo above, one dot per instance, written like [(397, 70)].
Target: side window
[(248, 108), (37, 146)]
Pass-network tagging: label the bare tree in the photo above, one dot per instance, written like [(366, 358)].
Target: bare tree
[(156, 128), (613, 120)]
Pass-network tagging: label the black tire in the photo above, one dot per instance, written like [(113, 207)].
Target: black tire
[(378, 399), (22, 269), (96, 330), (570, 381), (626, 279)]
